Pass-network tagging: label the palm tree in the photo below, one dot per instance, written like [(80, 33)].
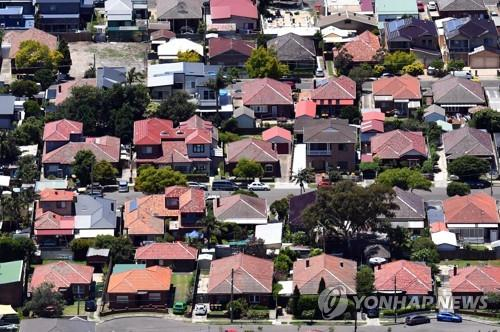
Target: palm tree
[(216, 84), (305, 175), (134, 76), (211, 226)]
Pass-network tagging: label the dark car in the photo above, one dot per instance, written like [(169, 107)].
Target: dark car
[(449, 317), (90, 306), (372, 313), (477, 184), (226, 185), (416, 320)]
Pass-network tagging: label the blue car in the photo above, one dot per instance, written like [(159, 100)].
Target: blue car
[(449, 317)]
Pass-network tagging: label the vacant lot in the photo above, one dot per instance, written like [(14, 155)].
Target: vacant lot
[(106, 54)]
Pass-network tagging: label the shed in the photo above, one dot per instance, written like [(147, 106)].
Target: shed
[(280, 138), (445, 241), (97, 257), (434, 113)]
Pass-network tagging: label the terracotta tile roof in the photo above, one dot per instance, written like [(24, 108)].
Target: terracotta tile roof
[(276, 131), (476, 279), (413, 278), (240, 207), (372, 115), (191, 200), (104, 148), (252, 275), (149, 131), (61, 130), (162, 34), (62, 274), (266, 91), (195, 122), (305, 108), (467, 141), (476, 208), (372, 125), (52, 195), (397, 143), (199, 136), (154, 278), (338, 88), (402, 87), (66, 87), (15, 38), (226, 9), (166, 251), (50, 221), (363, 47), (218, 46), (251, 148), (335, 271), (438, 227)]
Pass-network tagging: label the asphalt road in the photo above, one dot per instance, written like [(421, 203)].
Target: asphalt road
[(149, 324)]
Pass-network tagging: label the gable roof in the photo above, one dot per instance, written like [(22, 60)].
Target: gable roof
[(61, 274), (50, 223), (476, 279), (373, 114), (15, 38), (244, 110), (166, 251), (434, 109), (109, 76), (252, 275), (56, 325), (95, 212), (305, 108), (410, 29), (61, 130), (335, 271), (179, 9), (226, 9), (11, 272), (457, 90), (149, 131), (467, 141), (397, 143), (373, 126), (266, 91), (476, 208), (340, 17), (461, 5), (240, 207), (399, 87), (468, 27), (154, 278), (292, 47), (337, 88), (329, 131), (104, 148), (118, 10), (274, 132), (53, 195), (413, 278), (218, 46), (411, 205), (363, 47), (251, 148)]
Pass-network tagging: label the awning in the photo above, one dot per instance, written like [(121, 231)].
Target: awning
[(401, 100), (382, 98)]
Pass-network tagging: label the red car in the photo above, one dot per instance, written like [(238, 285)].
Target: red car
[(420, 6)]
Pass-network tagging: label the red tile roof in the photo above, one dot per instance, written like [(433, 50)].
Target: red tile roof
[(414, 278), (252, 275), (397, 143), (49, 223), (241, 207), (266, 91), (372, 125), (225, 9), (149, 131), (61, 274), (251, 148), (476, 208), (273, 132), (402, 87), (219, 46), (335, 271), (64, 89), (363, 47), (166, 251), (438, 227), (154, 278), (52, 195), (338, 88), (305, 108), (476, 279), (199, 136), (191, 200), (104, 148), (60, 130), (372, 115)]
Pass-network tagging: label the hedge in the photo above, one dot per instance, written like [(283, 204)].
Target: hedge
[(406, 310), (217, 314), (257, 314), (197, 177)]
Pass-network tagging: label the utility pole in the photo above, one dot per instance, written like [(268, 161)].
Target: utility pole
[(395, 306), (232, 293)]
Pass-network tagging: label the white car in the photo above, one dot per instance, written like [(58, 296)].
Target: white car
[(255, 186), (200, 310), (432, 5)]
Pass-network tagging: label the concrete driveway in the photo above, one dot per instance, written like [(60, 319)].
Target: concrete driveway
[(441, 178)]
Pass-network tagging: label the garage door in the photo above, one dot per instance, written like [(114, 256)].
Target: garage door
[(282, 148), (484, 62)]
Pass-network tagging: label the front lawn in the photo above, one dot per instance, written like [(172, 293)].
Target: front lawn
[(72, 310), (182, 283), (463, 263)]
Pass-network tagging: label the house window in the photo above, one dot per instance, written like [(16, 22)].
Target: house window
[(259, 109), (269, 168), (193, 85), (254, 299), (122, 299), (208, 95), (61, 205), (342, 147), (78, 289), (172, 203), (198, 148), (147, 149), (154, 297)]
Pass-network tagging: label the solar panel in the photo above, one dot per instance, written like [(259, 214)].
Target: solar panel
[(133, 205)]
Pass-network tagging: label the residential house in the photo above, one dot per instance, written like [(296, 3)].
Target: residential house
[(183, 16), (400, 93), (331, 95), (410, 213), (251, 277), (136, 288), (399, 147), (94, 216), (334, 271), (464, 35), (12, 40), (349, 21), (177, 211), (191, 147), (457, 95), (108, 76), (126, 20), (445, 241), (56, 94), (434, 113), (178, 256), (12, 283), (70, 279), (363, 48), (372, 124), (242, 13), (159, 37), (306, 108), (468, 141), (330, 143), (298, 204), (256, 150), (241, 209), (229, 52), (167, 52), (61, 202), (389, 10), (296, 51), (474, 280), (9, 114), (280, 138), (17, 14), (60, 15), (413, 279), (333, 36), (462, 8), (63, 139), (245, 117), (268, 98), (271, 234), (474, 218), (56, 324)]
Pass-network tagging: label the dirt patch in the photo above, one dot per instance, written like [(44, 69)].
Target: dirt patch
[(106, 54)]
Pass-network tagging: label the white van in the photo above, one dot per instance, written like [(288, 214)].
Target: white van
[(462, 74)]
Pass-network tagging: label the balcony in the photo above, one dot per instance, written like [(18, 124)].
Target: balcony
[(319, 152)]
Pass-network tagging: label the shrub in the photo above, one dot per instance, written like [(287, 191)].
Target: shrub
[(80, 247), (258, 314), (308, 314), (240, 308), (457, 188)]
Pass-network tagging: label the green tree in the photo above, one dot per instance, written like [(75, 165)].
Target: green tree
[(424, 250), (211, 227), (105, 173), (27, 171), (79, 247), (121, 249), (32, 108), (90, 72), (315, 252), (264, 62), (396, 61), (248, 169), (468, 167), (364, 281), (134, 76), (281, 207), (486, 119), (455, 65), (399, 240), (13, 249), (414, 69), (304, 176), (65, 61), (457, 188), (176, 107), (29, 132), (350, 113), (188, 56), (44, 297), (82, 166), (282, 265), (154, 180), (404, 178), (343, 62), (33, 55), (46, 77), (8, 148), (360, 74), (24, 88)]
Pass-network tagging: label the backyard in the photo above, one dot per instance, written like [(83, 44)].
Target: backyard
[(182, 283)]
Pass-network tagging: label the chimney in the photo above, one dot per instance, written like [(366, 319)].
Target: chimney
[(379, 266), (455, 270), (314, 84), (217, 201), (59, 88), (341, 264), (307, 263)]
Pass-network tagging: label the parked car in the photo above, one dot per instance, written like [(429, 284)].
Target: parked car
[(416, 320), (226, 185), (432, 5), (449, 317), (209, 198), (256, 186), (95, 190), (179, 308), (421, 6), (387, 75), (477, 184), (123, 186), (90, 306), (319, 72), (372, 313), (197, 185), (200, 309), (462, 74)]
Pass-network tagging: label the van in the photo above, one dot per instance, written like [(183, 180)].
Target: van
[(462, 74), (227, 185)]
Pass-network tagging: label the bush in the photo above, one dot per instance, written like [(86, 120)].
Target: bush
[(457, 188), (258, 314), (80, 247), (308, 314), (217, 314), (197, 177), (240, 308)]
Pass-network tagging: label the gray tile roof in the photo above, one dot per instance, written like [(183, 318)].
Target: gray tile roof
[(434, 109), (292, 47), (7, 104), (244, 110), (179, 9), (411, 205), (101, 211), (108, 76), (461, 5), (326, 21), (467, 141), (329, 131), (456, 90)]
